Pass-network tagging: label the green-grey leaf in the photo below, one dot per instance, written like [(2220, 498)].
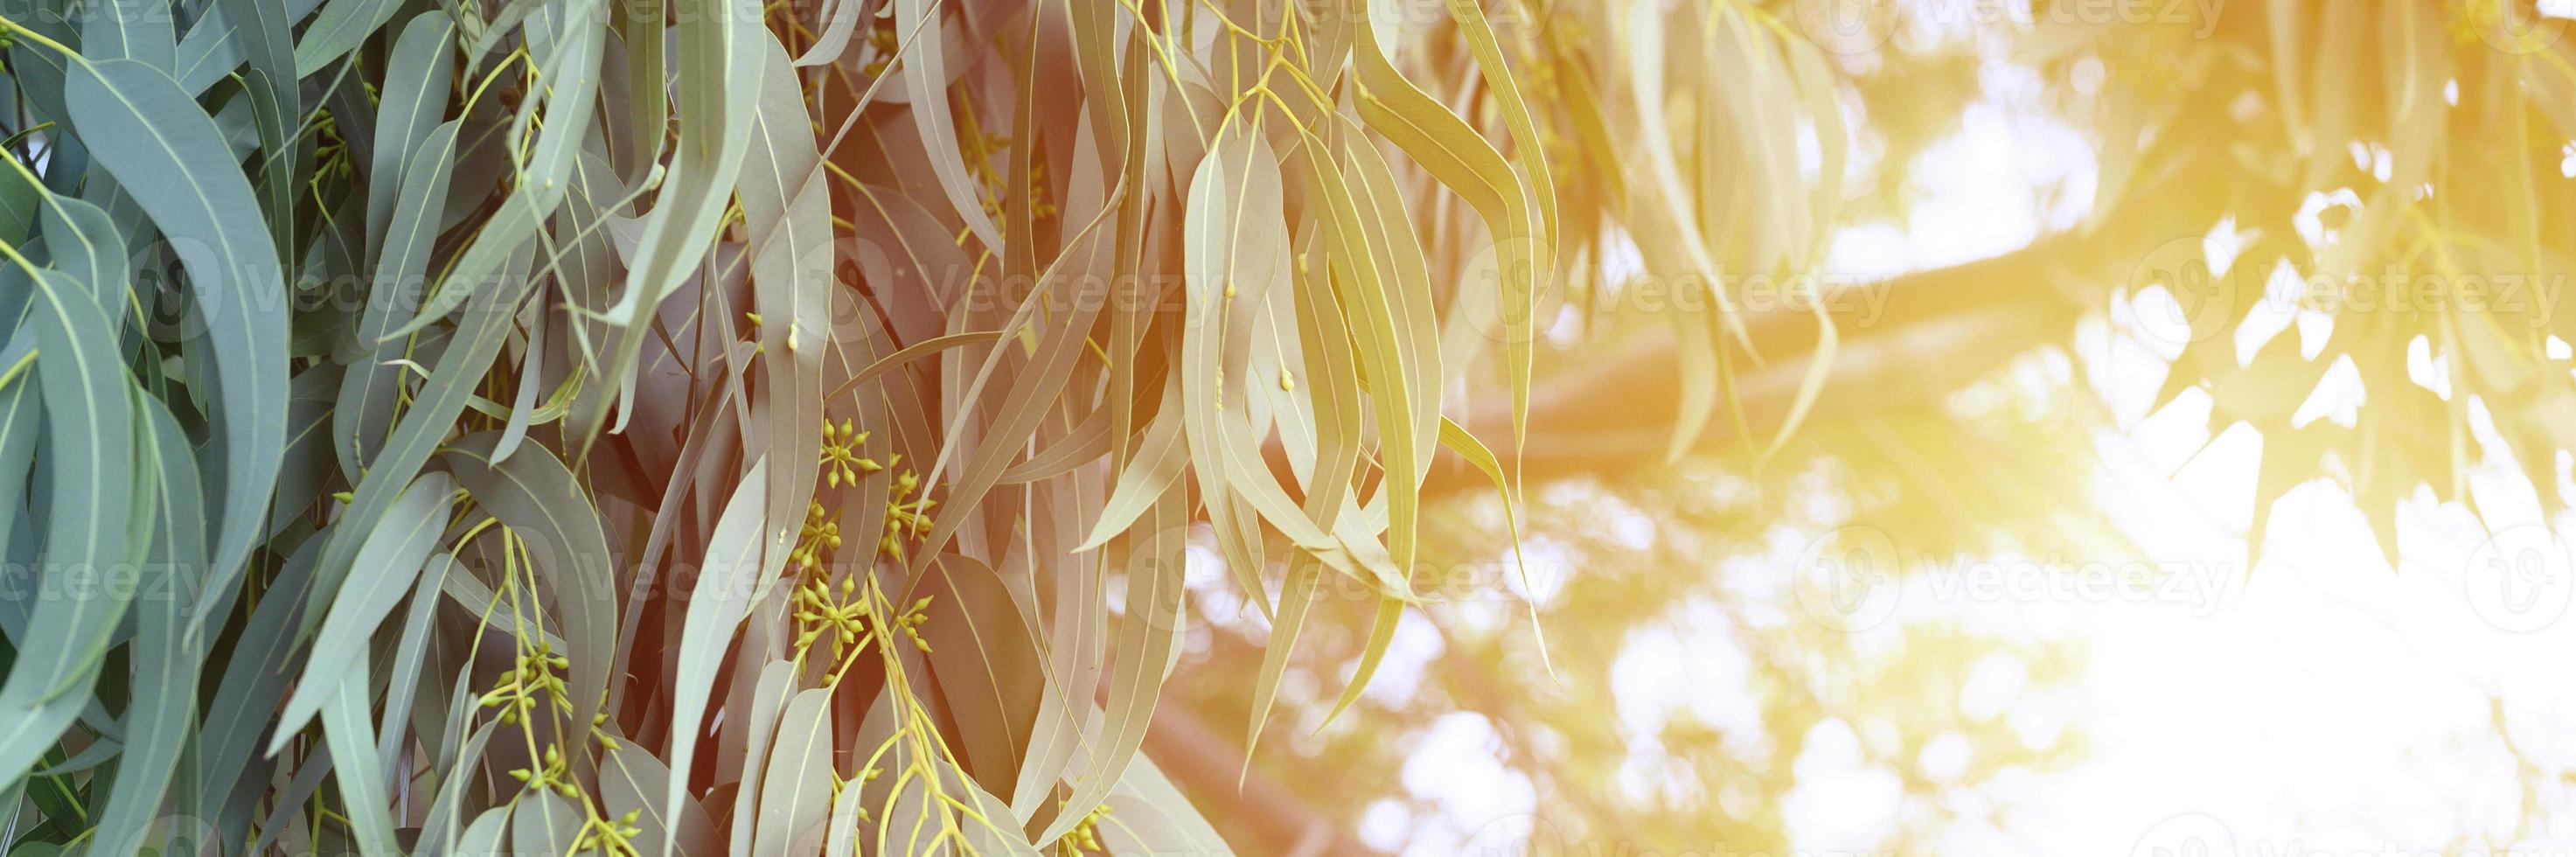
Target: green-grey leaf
[(796, 790), (364, 414), (717, 604), (639, 145), (21, 421), (545, 823), (209, 52), (567, 103), (540, 499), (483, 837), (1152, 562), (719, 57), (264, 38), (479, 334), (840, 19), (144, 130), (388, 562), (1152, 817), (84, 243), (925, 78), (632, 780), (777, 683), (351, 735), (130, 29), (254, 677), (395, 731), (339, 29), (166, 665), (415, 96), (89, 417), (787, 217), (18, 201)]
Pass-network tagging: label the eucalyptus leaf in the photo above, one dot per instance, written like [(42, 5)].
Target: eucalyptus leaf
[(142, 128)]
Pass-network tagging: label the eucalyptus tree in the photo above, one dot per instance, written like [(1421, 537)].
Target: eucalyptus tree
[(434, 427)]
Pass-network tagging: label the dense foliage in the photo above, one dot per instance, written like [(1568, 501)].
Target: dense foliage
[(435, 427), (689, 426)]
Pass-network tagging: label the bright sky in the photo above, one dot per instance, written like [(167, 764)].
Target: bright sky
[(2326, 703), (2328, 706)]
